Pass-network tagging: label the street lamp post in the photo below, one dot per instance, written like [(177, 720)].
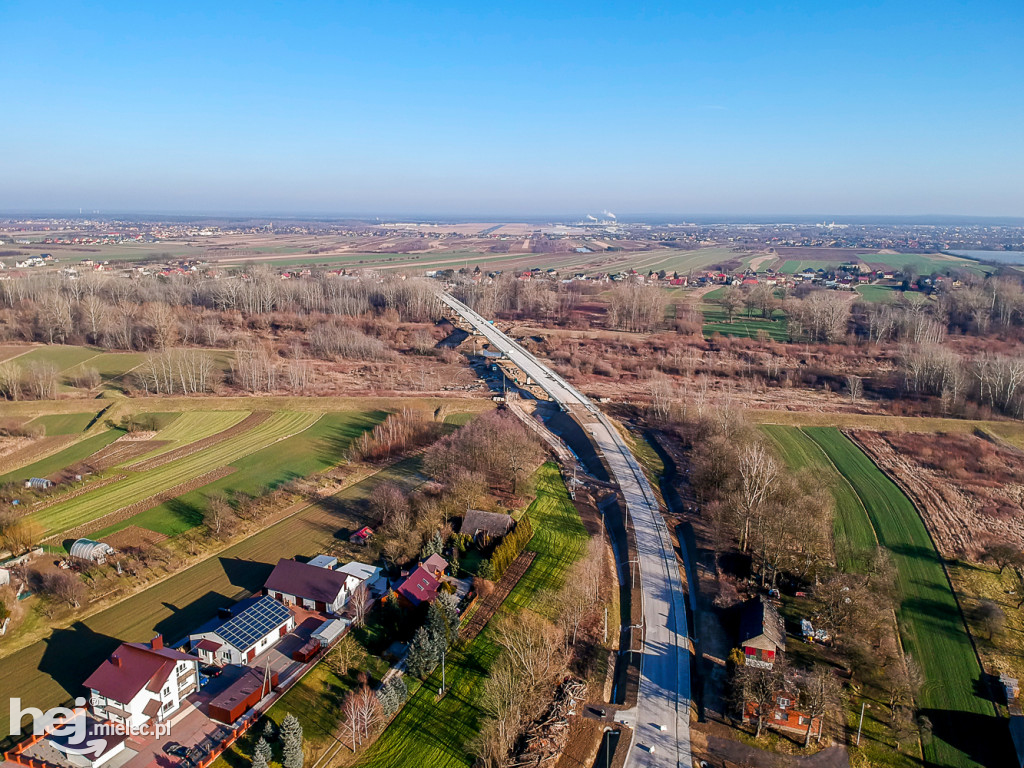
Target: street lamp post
[(440, 691)]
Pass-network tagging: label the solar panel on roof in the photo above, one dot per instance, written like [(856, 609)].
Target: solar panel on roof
[(255, 622)]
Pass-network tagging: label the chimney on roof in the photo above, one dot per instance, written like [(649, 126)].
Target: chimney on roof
[(157, 643), (115, 660)]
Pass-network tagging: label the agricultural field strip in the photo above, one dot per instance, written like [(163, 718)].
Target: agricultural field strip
[(931, 625), (853, 535), (70, 453), (191, 427), (125, 513), (34, 452), (144, 484), (249, 423), (61, 356), (1009, 431)]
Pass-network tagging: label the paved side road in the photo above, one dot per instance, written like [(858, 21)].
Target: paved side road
[(660, 721)]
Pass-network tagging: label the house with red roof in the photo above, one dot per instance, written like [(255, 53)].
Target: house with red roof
[(142, 682), (421, 586)]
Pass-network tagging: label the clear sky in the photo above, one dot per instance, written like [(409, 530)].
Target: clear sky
[(514, 108)]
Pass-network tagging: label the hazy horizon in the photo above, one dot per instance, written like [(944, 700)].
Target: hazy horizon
[(462, 110), (541, 218)]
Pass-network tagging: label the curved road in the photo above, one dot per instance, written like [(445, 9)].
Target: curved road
[(660, 721)]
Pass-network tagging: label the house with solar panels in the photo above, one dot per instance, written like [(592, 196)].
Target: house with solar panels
[(251, 628)]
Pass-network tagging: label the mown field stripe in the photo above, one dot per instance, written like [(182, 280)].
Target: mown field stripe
[(313, 450), (191, 427), (74, 453), (966, 732), (854, 538), (141, 485)]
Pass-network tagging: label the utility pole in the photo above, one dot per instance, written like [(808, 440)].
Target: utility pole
[(606, 624), (861, 721), (440, 691)]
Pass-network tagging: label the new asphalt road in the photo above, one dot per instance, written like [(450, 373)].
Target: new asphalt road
[(660, 721)]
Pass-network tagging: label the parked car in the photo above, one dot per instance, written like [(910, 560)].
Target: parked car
[(175, 749), (210, 671)]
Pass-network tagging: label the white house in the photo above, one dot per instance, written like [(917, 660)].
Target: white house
[(140, 682), (370, 575), (255, 626), (309, 586)]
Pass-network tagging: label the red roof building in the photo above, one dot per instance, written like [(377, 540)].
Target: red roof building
[(142, 682), (422, 584)]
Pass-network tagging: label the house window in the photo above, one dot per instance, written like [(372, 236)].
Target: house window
[(784, 702), (802, 720), (780, 715), (167, 690)]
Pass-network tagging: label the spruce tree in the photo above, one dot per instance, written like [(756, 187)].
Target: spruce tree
[(434, 546), (263, 748), (291, 740), (424, 652), (258, 760), (450, 606)]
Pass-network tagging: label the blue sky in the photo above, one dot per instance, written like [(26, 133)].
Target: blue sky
[(513, 108)]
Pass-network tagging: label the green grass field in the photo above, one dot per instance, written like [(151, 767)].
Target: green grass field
[(926, 264), (60, 355), (313, 450), (966, 732), (887, 294), (716, 321), (110, 365), (878, 294), (792, 266), (141, 485), (854, 537), (435, 733), (63, 423), (73, 454)]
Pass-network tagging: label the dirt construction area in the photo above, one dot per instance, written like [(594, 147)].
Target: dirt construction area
[(969, 490)]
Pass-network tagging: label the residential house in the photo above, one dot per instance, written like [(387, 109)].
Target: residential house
[(436, 565), (142, 682), (370, 575), (484, 526), (250, 628), (762, 633), (784, 717), (422, 585), (309, 586)]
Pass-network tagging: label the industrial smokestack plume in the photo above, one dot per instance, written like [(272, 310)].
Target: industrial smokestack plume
[(609, 214), (592, 218)]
